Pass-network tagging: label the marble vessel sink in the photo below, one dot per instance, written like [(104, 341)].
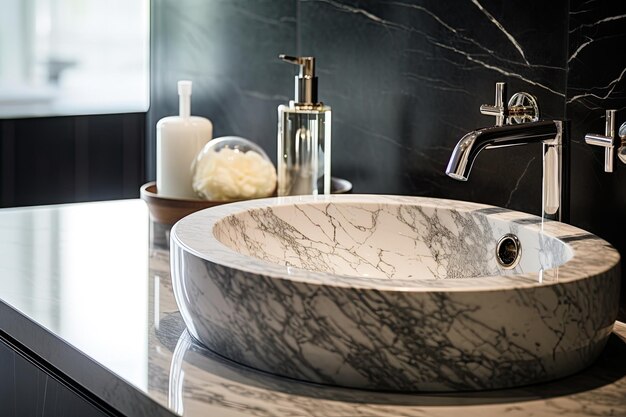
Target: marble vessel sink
[(393, 293)]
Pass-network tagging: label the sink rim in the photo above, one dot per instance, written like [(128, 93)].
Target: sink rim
[(195, 234)]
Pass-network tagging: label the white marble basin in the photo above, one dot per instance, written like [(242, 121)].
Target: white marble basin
[(393, 293)]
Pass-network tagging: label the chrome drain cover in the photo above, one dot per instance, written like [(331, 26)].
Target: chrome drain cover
[(508, 251)]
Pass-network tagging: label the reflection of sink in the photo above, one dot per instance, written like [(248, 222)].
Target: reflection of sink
[(393, 293)]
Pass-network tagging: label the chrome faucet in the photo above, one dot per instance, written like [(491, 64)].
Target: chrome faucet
[(518, 124), (607, 141)]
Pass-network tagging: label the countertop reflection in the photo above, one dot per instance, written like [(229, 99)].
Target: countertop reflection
[(80, 271), (87, 288)]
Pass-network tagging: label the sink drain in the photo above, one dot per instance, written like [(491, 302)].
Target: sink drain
[(508, 251)]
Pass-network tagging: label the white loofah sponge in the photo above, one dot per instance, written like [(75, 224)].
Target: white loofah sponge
[(233, 174)]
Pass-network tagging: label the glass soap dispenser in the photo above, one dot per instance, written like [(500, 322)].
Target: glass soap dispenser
[(304, 136)]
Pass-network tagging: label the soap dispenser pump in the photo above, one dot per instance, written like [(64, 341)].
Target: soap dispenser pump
[(304, 136)]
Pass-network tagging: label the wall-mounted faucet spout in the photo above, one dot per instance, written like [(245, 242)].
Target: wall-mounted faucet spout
[(550, 133), (470, 145)]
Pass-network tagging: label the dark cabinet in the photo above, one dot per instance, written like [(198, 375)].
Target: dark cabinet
[(27, 390), (53, 160)]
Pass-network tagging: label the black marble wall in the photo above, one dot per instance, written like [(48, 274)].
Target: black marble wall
[(405, 80), (596, 82)]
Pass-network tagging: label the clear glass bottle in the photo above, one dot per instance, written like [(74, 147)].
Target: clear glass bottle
[(304, 132)]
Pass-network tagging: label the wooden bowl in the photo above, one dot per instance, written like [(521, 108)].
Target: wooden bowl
[(168, 210)]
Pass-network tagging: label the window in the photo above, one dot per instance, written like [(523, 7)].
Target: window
[(68, 57)]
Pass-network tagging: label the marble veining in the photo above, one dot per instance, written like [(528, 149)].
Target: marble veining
[(284, 286), (597, 198), (200, 381), (399, 242), (176, 370), (420, 69)]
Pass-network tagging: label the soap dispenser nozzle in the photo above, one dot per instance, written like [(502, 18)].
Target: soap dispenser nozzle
[(306, 81), (184, 98)]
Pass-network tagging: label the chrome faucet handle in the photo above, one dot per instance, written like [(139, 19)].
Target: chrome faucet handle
[(498, 110), (521, 108), (607, 140)]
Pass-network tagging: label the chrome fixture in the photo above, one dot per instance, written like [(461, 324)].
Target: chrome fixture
[(518, 124), (522, 107), (508, 251), (607, 141), (621, 151)]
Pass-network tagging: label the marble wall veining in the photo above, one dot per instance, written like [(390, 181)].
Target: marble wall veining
[(405, 80), (597, 81)]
